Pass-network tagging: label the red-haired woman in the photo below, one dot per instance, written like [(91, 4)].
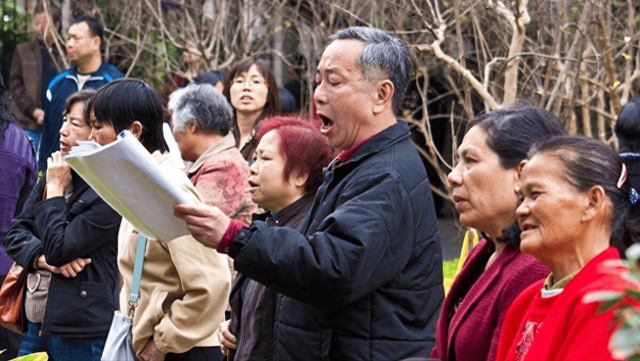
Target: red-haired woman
[(284, 177), (251, 89)]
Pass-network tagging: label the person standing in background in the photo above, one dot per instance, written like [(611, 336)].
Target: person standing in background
[(18, 175), (34, 65), (89, 71)]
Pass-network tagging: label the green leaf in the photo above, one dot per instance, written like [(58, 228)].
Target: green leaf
[(40, 356)]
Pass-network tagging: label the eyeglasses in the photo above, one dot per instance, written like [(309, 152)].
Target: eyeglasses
[(249, 82)]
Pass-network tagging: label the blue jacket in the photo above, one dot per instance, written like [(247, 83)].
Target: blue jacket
[(63, 85), (363, 281)]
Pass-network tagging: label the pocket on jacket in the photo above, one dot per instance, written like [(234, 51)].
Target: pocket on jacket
[(156, 302), (81, 304)]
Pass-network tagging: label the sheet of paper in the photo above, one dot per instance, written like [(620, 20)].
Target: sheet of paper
[(127, 177)]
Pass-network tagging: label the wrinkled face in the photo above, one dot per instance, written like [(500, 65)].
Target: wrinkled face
[(249, 91), (81, 46), (551, 209), (266, 176), (343, 99), (483, 190), (74, 128), (102, 133)]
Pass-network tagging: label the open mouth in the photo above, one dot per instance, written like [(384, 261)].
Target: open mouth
[(527, 227), (252, 184), (326, 123), (246, 97)]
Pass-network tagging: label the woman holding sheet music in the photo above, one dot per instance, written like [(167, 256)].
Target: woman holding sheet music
[(184, 285), (65, 237)]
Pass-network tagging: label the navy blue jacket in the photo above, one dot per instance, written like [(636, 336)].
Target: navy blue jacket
[(85, 226), (363, 281), (63, 85)]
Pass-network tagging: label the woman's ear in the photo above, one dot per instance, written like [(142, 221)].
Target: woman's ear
[(596, 203), (136, 129), (298, 178), (519, 169)]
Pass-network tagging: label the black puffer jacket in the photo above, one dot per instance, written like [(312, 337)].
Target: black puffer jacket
[(80, 307), (364, 279)]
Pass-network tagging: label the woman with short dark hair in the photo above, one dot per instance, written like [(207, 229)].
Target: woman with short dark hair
[(184, 285), (577, 214), (496, 271), (251, 89), (66, 239)]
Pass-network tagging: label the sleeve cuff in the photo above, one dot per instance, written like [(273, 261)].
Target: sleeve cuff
[(227, 240)]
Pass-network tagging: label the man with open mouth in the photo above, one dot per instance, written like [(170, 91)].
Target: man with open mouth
[(362, 278)]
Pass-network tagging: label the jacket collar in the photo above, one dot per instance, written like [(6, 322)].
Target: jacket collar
[(79, 187), (484, 282), (228, 142), (384, 139), (101, 70)]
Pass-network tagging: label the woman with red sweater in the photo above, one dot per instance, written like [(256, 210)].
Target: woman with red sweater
[(577, 212), (483, 183)]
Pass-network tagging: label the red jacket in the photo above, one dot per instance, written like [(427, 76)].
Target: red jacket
[(473, 332), (562, 327)]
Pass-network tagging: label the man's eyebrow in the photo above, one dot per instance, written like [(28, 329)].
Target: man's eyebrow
[(331, 70)]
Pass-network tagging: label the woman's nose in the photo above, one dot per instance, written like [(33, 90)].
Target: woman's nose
[(455, 178)]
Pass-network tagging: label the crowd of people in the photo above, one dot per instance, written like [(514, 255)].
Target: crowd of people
[(311, 238)]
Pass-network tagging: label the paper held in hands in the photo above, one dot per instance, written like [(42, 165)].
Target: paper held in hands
[(127, 177)]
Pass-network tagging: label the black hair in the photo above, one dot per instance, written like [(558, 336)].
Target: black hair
[(587, 163), (210, 77), (511, 133), (54, 11), (95, 27), (124, 101), (627, 127)]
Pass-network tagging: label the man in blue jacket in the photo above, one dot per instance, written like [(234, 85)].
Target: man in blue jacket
[(89, 71), (362, 280)]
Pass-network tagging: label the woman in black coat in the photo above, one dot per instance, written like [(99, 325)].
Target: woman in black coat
[(66, 239)]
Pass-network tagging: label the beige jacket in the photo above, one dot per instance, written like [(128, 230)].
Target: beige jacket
[(184, 286)]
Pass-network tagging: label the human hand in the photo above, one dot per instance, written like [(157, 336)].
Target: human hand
[(71, 269), (58, 175), (151, 353), (38, 115), (227, 340), (207, 224)]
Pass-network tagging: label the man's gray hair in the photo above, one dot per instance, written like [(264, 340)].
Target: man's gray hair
[(202, 105), (383, 57)]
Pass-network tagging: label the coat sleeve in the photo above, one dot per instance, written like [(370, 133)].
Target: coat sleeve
[(363, 244), (206, 290), (17, 87), (93, 227), (22, 241)]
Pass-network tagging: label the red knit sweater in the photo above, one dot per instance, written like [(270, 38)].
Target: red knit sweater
[(562, 327)]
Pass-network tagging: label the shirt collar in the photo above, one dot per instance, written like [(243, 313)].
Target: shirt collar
[(346, 154)]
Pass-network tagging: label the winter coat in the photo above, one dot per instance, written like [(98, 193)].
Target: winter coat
[(83, 227), (363, 281)]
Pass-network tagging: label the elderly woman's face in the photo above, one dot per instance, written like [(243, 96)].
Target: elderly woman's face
[(249, 91), (266, 178), (551, 209), (74, 128), (483, 190)]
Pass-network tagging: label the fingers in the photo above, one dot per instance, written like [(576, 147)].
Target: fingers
[(71, 269), (183, 210), (226, 338)]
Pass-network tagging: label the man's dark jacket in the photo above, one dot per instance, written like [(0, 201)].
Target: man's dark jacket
[(63, 85), (83, 227), (25, 81), (363, 281)]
